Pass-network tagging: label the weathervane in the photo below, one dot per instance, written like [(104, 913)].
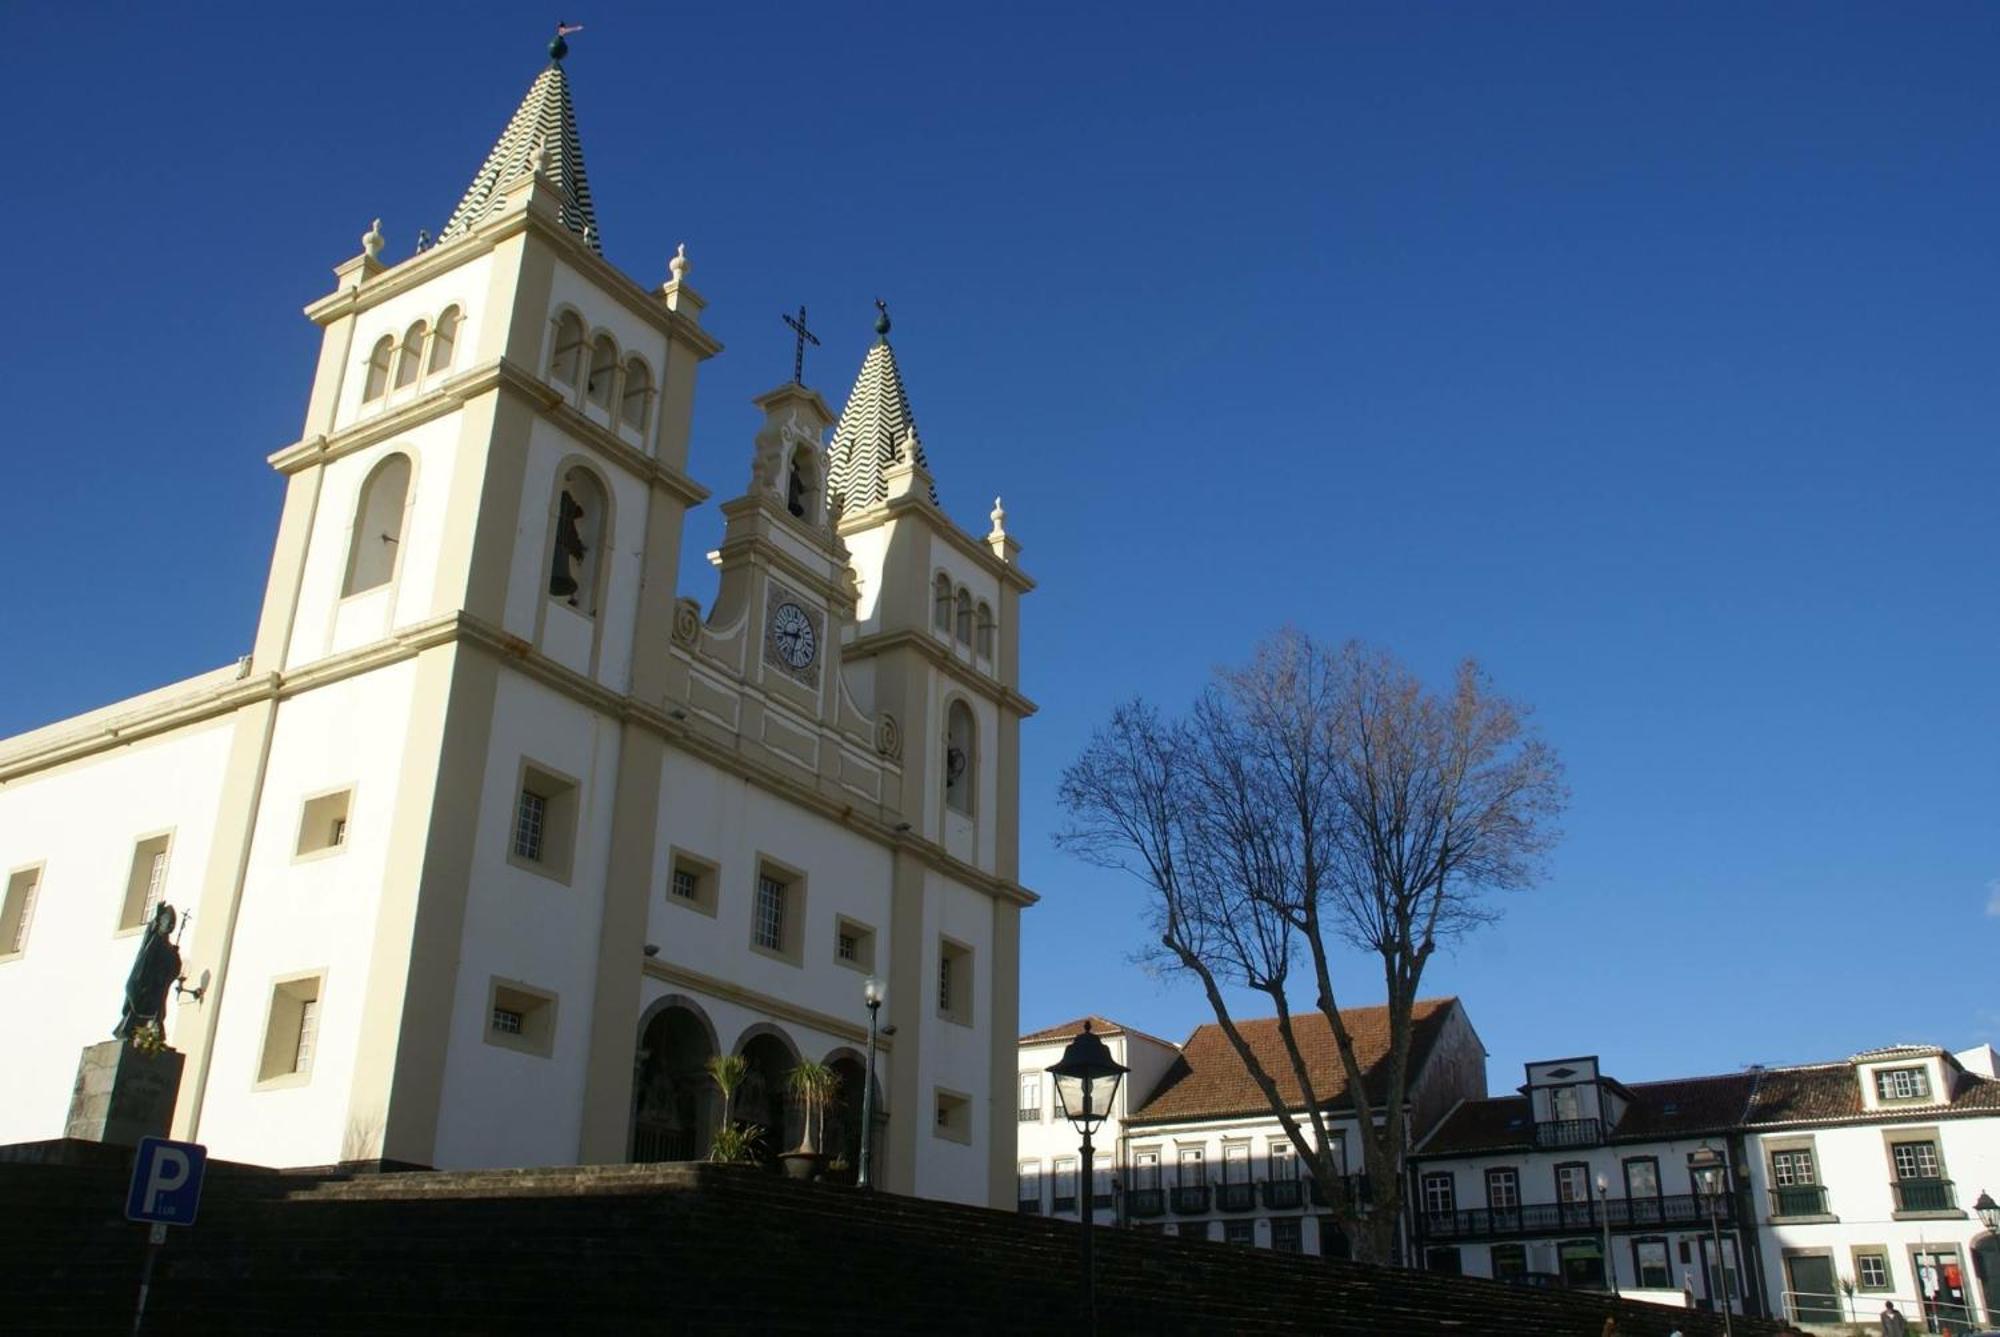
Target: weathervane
[(559, 48), (804, 337)]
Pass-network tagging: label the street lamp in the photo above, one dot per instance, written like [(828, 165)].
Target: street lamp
[(1604, 1220), (1086, 1081), (1989, 1211), (871, 994), (1710, 1171)]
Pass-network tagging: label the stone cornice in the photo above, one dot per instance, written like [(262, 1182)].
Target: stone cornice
[(855, 522), (459, 390), (426, 265), (942, 659), (758, 1001)]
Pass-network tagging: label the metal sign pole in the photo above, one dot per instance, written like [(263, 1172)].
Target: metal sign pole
[(155, 1238)]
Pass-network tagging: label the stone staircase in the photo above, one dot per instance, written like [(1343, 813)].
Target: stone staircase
[(686, 1249)]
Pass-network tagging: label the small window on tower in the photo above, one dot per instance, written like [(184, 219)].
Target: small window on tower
[(147, 883), (603, 372), (959, 756), (799, 481), (942, 618), (579, 541), (964, 618), (377, 383), (444, 339), (323, 823), (638, 394), (984, 628), (378, 526), (411, 361), (542, 835), (566, 365), (291, 1030)]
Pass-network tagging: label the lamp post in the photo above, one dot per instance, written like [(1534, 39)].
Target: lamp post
[(1710, 1169), (871, 994), (1604, 1222), (1086, 1080), (1988, 1210)]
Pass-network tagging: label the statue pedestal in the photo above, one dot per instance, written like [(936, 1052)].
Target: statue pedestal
[(123, 1095)]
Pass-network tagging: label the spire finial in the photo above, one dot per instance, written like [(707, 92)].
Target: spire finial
[(882, 319), (677, 267), (372, 240), (999, 517), (558, 48)]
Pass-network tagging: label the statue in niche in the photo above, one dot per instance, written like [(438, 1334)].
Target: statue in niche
[(569, 549), (795, 490), (154, 971), (954, 767)]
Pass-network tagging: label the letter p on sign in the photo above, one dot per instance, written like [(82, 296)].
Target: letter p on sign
[(166, 1182)]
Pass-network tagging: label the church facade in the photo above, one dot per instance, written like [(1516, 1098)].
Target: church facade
[(492, 840)]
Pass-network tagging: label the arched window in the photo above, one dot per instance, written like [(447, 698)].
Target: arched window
[(800, 480), (942, 618), (444, 339), (580, 515), (638, 394), (603, 372), (964, 618), (378, 368), (985, 629), (960, 754), (412, 360), (378, 526), (566, 366)]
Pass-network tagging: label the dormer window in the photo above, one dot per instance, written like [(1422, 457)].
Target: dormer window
[(1902, 1084)]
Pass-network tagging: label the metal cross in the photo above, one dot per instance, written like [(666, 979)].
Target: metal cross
[(805, 336)]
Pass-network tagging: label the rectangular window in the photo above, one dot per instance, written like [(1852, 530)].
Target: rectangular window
[(1286, 1235), (291, 1030), (954, 981), (1440, 1195), (147, 882), (1192, 1168), (1642, 1177), (953, 1117), (1916, 1160), (1146, 1169), (530, 823), (1572, 1183), (1028, 1175), (1236, 1163), (854, 944), (1065, 1200), (770, 928), (1649, 1258), (691, 881), (1503, 1189), (1871, 1271), (521, 1018), (1337, 1148), (1903, 1084), (1793, 1169), (507, 1021), (323, 823), (1444, 1261), (1284, 1163), (1239, 1232), (1509, 1261), (1029, 1110), (302, 1050), (687, 883), (17, 912)]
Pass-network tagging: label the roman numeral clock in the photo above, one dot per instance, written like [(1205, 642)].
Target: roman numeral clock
[(794, 634)]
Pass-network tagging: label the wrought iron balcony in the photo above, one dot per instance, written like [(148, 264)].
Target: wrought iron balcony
[(1236, 1197), (1027, 1116), (1925, 1195), (1143, 1202), (1358, 1191), (1030, 1206), (1544, 1218), (1282, 1193), (1065, 1202), (1191, 1199), (1569, 1133), (1799, 1200)]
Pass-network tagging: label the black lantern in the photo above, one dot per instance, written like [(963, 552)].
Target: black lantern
[(1087, 1078), (1989, 1211), (1709, 1169)]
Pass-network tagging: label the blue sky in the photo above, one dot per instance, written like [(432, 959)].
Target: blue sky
[(1645, 353)]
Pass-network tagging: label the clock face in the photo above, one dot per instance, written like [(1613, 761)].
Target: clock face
[(792, 631)]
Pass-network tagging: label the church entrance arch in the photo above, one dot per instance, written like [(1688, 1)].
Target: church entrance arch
[(764, 1099), (675, 1106)]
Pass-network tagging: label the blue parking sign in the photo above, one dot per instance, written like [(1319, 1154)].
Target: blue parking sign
[(166, 1182)]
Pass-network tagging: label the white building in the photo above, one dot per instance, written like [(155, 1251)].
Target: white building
[(491, 840), (1198, 1153), (1048, 1168), (1863, 1176)]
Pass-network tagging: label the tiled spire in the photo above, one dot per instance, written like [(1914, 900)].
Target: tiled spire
[(876, 429), (542, 136)]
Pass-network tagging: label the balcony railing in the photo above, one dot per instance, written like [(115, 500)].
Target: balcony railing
[(1065, 1202), (1236, 1197), (1100, 1202), (1569, 1133), (1542, 1218), (1191, 1199), (1358, 1191), (1027, 1116), (1282, 1193), (1925, 1195), (1143, 1202), (1799, 1200), (1030, 1206), (656, 1142)]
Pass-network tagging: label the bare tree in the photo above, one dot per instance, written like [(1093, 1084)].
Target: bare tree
[(1310, 798)]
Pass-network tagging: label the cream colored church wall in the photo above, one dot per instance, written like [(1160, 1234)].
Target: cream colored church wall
[(723, 821), (328, 623), (599, 647), (868, 551), (80, 823), (603, 314), (464, 286), (502, 1106), (310, 915), (954, 1057)]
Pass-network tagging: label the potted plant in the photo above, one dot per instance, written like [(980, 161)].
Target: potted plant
[(814, 1086)]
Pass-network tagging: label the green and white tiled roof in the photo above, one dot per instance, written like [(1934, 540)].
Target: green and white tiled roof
[(544, 118), (875, 433)]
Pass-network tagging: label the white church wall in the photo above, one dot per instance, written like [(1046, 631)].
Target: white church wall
[(309, 915), (80, 822), (956, 1057), (462, 286), (503, 1106), (867, 550), (604, 314), (326, 622)]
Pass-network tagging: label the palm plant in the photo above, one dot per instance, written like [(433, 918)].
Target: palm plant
[(815, 1086), (733, 1141)]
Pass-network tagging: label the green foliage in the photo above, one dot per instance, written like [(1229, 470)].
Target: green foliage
[(735, 1143), (815, 1086), (728, 1071)]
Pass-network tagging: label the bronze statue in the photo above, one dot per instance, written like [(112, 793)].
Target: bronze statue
[(569, 548), (154, 971)]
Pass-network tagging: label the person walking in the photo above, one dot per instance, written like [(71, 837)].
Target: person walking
[(1893, 1322)]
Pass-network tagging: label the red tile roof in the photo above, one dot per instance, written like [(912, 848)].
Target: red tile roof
[(1098, 1026), (1685, 1107), (1209, 1081)]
